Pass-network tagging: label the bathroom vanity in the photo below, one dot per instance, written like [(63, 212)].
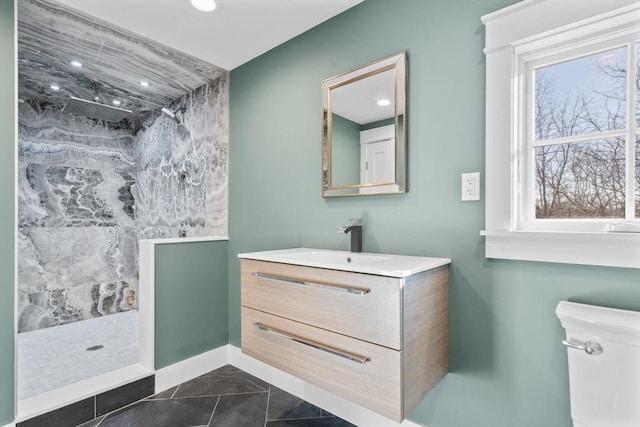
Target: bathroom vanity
[(371, 328)]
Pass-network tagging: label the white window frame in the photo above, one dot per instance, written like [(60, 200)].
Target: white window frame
[(516, 36), (527, 62)]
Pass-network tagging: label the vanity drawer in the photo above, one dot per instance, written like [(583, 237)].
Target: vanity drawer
[(362, 306), (365, 373)]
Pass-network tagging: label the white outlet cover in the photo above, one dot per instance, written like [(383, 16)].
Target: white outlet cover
[(470, 189)]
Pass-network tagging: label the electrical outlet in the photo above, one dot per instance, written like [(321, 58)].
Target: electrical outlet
[(470, 186)]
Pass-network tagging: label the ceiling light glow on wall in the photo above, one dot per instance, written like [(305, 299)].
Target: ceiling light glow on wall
[(207, 5), (383, 102)]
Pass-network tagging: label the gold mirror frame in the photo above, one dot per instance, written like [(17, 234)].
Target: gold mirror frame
[(359, 90)]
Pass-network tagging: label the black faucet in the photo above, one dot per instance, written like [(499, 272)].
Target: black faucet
[(355, 228)]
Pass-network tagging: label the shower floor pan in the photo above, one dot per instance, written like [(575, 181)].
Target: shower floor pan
[(56, 357)]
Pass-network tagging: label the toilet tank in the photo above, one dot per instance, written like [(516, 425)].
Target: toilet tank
[(604, 385)]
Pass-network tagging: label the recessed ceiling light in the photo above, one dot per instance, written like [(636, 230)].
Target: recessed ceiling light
[(144, 83), (55, 86), (76, 63), (116, 102), (207, 5), (383, 102)]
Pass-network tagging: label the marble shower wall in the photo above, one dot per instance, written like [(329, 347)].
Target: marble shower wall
[(114, 60), (77, 246), (88, 191), (181, 167)]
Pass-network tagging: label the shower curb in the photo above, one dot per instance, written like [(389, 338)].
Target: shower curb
[(93, 407)]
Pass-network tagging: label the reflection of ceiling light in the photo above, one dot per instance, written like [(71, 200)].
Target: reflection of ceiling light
[(54, 86), (207, 5), (144, 83), (76, 63), (383, 102), (116, 102)]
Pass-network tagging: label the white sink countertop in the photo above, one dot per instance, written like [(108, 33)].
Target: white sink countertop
[(357, 262)]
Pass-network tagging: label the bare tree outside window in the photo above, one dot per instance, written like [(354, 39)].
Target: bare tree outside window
[(579, 174)]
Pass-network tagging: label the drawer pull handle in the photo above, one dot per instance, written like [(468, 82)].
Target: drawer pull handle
[(339, 288), (345, 354)]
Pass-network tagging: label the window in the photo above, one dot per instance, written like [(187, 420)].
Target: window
[(578, 151), (563, 132)]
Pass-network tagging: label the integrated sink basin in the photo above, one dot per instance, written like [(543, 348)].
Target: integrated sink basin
[(370, 263)]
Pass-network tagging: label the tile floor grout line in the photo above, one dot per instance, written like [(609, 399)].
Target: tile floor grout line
[(216, 394), (123, 408), (164, 399), (120, 420), (100, 422), (302, 418), (266, 412), (175, 391), (214, 411), (244, 380)]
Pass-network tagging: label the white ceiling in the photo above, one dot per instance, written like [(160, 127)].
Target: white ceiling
[(355, 94), (357, 101), (241, 31)]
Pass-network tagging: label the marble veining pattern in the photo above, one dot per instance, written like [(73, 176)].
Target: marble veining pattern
[(182, 183), (88, 192), (77, 245), (89, 189), (70, 196), (114, 60), (46, 135), (67, 274)]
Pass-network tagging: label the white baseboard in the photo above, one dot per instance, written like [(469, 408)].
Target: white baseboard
[(188, 369), (336, 405)]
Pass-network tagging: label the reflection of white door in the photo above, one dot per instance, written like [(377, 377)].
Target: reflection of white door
[(378, 159)]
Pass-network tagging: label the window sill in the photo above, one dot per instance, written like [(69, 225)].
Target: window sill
[(602, 249)]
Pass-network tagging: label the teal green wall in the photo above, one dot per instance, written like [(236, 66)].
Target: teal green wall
[(379, 123), (345, 151), (191, 300), (507, 366), (7, 209)]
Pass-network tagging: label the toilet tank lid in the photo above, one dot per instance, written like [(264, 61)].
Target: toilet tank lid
[(626, 321)]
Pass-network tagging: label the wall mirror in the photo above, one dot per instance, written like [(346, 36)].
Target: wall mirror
[(364, 130)]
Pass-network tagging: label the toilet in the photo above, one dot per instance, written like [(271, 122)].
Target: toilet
[(603, 349)]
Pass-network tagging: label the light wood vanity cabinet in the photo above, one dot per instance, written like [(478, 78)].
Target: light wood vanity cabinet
[(378, 341)]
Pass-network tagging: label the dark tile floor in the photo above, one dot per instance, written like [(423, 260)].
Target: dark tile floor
[(224, 397)]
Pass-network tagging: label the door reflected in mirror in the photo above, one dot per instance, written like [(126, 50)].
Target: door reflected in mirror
[(363, 133)]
